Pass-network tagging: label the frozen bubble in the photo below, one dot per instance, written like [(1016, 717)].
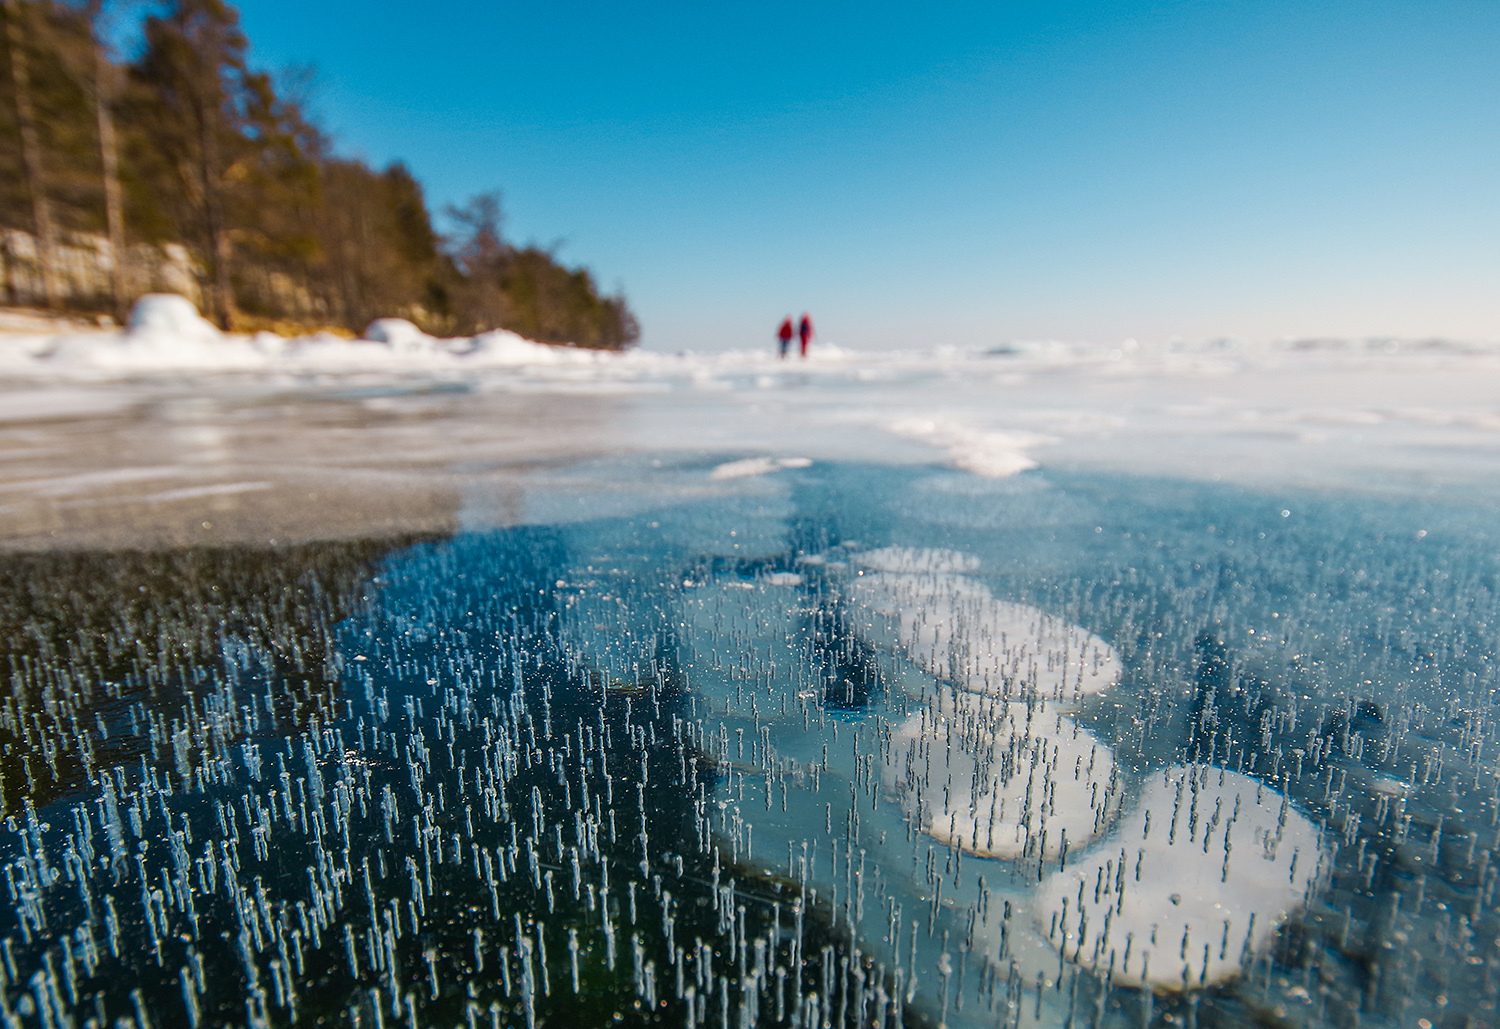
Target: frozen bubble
[(1002, 780), (783, 579), (1192, 884)]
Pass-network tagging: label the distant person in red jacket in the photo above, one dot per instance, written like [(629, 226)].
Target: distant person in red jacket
[(804, 333), (784, 334)]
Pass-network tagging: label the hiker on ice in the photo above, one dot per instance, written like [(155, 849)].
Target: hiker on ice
[(784, 334), (804, 333)]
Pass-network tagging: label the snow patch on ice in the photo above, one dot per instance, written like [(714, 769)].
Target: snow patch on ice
[(993, 454), (749, 466), (216, 490)]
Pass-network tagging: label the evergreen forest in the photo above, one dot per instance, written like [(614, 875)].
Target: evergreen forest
[(183, 168)]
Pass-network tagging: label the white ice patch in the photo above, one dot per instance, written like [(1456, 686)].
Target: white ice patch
[(917, 560), (991, 454), (749, 466), (1192, 884), (783, 579), (1002, 780), (951, 626)]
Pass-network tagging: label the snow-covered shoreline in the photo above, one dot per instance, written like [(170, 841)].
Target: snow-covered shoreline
[(1338, 415), (166, 337)]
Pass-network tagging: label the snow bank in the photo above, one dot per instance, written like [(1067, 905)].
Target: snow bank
[(166, 335), (1315, 413)]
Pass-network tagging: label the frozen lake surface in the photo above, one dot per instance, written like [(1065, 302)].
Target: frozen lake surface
[(1046, 687)]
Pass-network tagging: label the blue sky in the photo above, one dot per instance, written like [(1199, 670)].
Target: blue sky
[(969, 174)]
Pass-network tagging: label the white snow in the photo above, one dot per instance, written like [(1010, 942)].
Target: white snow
[(397, 333), (165, 335), (1326, 414), (993, 454), (756, 466), (169, 315)]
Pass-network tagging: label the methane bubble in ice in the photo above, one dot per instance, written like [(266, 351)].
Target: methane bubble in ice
[(951, 626), (1002, 780), (1195, 881)]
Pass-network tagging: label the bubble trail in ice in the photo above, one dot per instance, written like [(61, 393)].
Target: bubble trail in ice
[(475, 826), (1193, 898), (1002, 780), (691, 768)]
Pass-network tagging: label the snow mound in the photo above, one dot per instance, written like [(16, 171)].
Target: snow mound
[(397, 333), (501, 347), (167, 314), (166, 336)]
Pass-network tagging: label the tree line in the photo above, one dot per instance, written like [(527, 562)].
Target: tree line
[(186, 150)]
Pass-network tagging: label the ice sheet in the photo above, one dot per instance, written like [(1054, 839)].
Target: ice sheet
[(479, 425)]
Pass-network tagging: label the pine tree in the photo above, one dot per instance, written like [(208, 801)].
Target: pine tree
[(188, 145), (18, 20), (196, 95), (105, 86)]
